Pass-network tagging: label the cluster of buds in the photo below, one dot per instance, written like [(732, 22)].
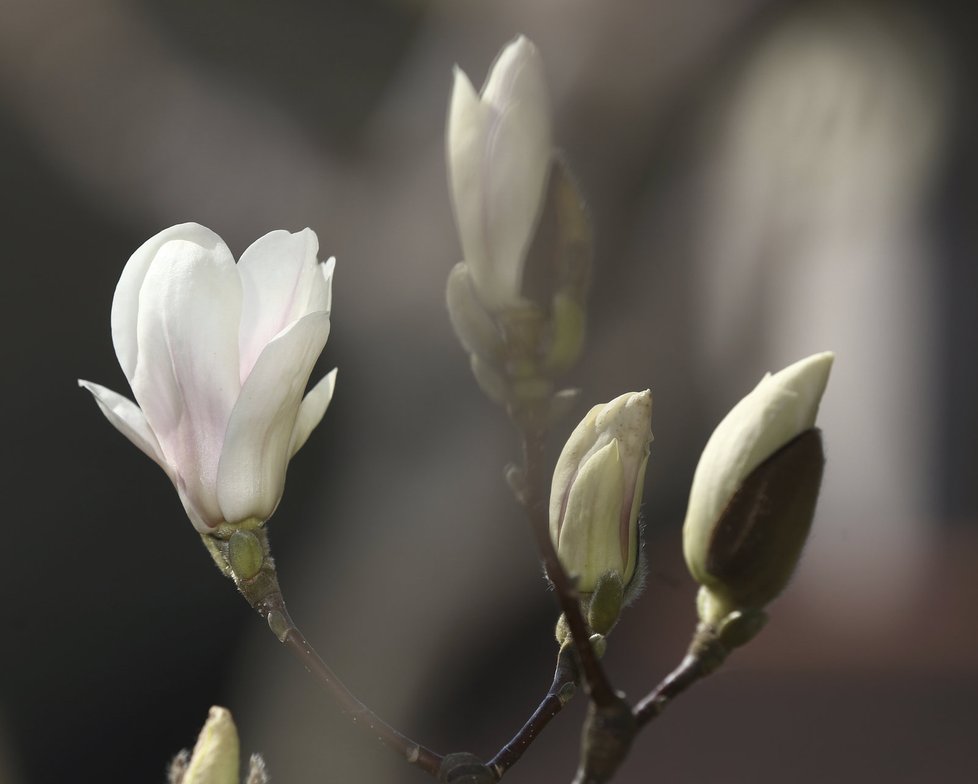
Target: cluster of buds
[(516, 301), (219, 354)]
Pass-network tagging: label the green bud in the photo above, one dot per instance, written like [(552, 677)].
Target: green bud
[(599, 643), (740, 627), (605, 604), (475, 328), (489, 380), (215, 756), (245, 555), (567, 327)]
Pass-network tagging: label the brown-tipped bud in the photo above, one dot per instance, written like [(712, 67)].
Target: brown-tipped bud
[(758, 540), (754, 492)]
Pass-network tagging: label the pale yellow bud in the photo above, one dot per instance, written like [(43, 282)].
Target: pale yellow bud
[(215, 756), (597, 490)]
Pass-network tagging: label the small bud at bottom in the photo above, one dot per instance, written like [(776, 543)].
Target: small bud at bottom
[(464, 768)]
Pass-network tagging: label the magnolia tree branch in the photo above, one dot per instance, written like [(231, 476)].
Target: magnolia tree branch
[(536, 502), (560, 693), (264, 595), (689, 671), (289, 635)]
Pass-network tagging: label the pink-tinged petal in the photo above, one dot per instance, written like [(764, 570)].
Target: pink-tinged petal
[(468, 123), (126, 417), (282, 281), (186, 375), (202, 520), (125, 303), (251, 475), (311, 410)]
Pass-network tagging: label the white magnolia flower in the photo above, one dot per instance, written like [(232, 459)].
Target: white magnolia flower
[(218, 356), (499, 154), (597, 490), (779, 409)]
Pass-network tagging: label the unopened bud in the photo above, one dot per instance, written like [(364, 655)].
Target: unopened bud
[(215, 756), (754, 492), (516, 301), (597, 491)]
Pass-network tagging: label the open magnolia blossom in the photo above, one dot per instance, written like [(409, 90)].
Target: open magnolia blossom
[(775, 414), (500, 149), (597, 490), (218, 356)]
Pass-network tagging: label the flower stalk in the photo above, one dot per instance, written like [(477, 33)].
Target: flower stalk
[(261, 590)]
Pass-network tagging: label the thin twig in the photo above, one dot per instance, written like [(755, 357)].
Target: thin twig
[(689, 671), (273, 609), (559, 694)]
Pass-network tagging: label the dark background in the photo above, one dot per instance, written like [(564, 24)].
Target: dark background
[(766, 180)]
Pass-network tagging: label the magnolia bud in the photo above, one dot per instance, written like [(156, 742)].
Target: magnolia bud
[(516, 301), (754, 492), (215, 756), (499, 150), (597, 491)]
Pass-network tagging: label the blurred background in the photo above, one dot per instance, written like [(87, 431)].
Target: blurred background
[(766, 179)]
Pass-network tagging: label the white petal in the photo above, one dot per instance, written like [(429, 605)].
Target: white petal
[(186, 376), (579, 445), (518, 159), (327, 268), (589, 540), (125, 303), (281, 282), (126, 417), (256, 452), (311, 410), (515, 73), (468, 123)]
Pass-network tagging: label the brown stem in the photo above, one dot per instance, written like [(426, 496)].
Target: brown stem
[(599, 688), (263, 593), (561, 691), (689, 671), (275, 613)]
